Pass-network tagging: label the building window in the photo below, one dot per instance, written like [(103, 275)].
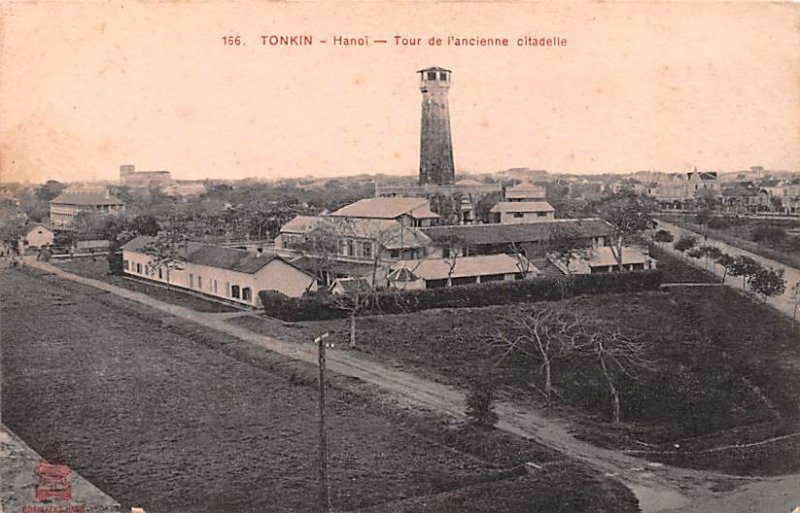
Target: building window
[(431, 75), (541, 214), (247, 294), (351, 248), (191, 281), (394, 253), (200, 282), (138, 268), (126, 265), (366, 250), (215, 286), (235, 291), (517, 214), (442, 75), (160, 274)]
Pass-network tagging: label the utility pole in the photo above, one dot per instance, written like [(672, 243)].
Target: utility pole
[(324, 487)]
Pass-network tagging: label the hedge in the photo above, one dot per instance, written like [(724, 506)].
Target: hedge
[(494, 293)]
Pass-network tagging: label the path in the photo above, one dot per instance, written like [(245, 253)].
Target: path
[(783, 303), (658, 487)]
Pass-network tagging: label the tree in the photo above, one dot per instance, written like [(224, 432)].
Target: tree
[(567, 242), (629, 214), (167, 250), (480, 401), (685, 243), (321, 244), (353, 300), (145, 225), (795, 298), (11, 229), (745, 267), (545, 334), (768, 282), (49, 190), (727, 262), (617, 354), (664, 236)]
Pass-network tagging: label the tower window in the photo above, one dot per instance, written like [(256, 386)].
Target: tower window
[(442, 75), (431, 75)]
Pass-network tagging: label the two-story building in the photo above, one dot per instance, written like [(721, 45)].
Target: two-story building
[(64, 209), (410, 212), (523, 203)]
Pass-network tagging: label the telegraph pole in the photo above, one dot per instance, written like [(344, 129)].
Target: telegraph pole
[(324, 487)]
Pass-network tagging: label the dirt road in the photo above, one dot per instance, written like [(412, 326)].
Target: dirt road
[(658, 487), (784, 302)]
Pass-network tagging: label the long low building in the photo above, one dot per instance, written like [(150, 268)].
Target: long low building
[(226, 273), (529, 239), (448, 272)]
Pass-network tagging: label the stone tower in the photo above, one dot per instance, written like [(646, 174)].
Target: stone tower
[(436, 147)]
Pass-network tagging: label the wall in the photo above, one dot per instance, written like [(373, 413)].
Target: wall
[(277, 275)]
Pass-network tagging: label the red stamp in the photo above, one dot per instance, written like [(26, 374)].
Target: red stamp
[(53, 482)]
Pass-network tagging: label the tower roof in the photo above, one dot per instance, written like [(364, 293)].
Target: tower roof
[(434, 68)]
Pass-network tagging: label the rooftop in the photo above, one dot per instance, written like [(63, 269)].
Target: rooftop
[(213, 256), (387, 208), (523, 206), (91, 197), (482, 265), (388, 232), (478, 234)]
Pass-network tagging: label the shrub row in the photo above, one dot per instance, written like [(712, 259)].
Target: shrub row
[(494, 293)]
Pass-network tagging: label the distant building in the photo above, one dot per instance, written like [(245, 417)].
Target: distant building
[(700, 182), (603, 260), (66, 206), (523, 203), (231, 274), (147, 179)]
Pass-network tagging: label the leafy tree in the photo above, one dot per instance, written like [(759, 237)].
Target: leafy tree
[(11, 229), (167, 250), (685, 243), (728, 263), (768, 282), (629, 214), (480, 401), (49, 190), (745, 267), (145, 225), (321, 245), (484, 205), (567, 242), (664, 236)]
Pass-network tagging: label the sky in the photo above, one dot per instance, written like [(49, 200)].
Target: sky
[(88, 86)]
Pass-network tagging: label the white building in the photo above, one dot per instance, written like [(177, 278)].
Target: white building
[(447, 272), (67, 205), (225, 273)]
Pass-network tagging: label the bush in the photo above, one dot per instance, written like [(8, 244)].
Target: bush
[(486, 294), (480, 402)]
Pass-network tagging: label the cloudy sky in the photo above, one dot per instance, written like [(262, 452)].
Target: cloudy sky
[(87, 86)]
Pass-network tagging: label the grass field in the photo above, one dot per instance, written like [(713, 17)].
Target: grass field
[(725, 370), (162, 414)]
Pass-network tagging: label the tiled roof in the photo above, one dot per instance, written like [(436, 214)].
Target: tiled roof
[(433, 68), (523, 206), (85, 198), (391, 234), (387, 208), (352, 285), (213, 256), (517, 233), (482, 265)]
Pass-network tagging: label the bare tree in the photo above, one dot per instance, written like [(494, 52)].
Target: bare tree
[(353, 300), (617, 353), (544, 335), (567, 242)]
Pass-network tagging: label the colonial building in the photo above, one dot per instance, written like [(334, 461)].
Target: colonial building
[(230, 274), (35, 236), (523, 203), (604, 260), (66, 207), (412, 212), (448, 272), (148, 179)]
